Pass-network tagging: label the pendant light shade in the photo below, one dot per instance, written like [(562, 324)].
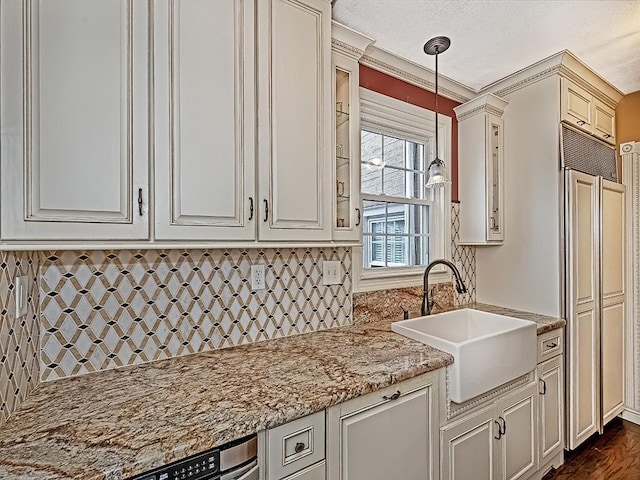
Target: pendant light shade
[(437, 172)]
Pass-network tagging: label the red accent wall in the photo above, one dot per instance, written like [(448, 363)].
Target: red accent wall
[(392, 87)]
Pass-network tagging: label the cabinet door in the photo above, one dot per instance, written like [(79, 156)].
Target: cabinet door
[(347, 209), (294, 118), (604, 122), (576, 105), (468, 448), (583, 333), (494, 177), (517, 413), (74, 103), (205, 125), (382, 435), (613, 299), (551, 407)]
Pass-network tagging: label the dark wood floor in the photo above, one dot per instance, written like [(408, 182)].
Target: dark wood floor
[(615, 455)]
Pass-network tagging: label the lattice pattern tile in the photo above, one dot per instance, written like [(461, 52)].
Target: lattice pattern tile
[(19, 346), (464, 257), (106, 309)]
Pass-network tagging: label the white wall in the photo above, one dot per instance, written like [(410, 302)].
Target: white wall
[(524, 273)]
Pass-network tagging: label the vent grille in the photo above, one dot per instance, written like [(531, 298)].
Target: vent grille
[(588, 155)]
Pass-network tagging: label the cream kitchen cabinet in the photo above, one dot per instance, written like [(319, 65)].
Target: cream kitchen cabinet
[(347, 48), (550, 413), (391, 433), (205, 120), (294, 120), (481, 170), (76, 146), (295, 450), (587, 112), (206, 161), (498, 442), (74, 100)]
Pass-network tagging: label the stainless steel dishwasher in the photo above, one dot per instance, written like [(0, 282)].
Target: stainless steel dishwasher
[(235, 460)]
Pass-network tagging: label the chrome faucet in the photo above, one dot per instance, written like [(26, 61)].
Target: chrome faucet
[(427, 301)]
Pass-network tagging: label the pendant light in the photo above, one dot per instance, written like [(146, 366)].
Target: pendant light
[(437, 172)]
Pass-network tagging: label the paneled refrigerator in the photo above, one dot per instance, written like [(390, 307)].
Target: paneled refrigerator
[(594, 303)]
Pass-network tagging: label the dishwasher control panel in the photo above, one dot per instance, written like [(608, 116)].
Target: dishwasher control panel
[(213, 464)]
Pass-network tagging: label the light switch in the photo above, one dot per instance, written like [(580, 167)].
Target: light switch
[(21, 293), (331, 272)]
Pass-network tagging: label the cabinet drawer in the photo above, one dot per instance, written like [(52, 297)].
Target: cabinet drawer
[(295, 445), (550, 344), (315, 472)]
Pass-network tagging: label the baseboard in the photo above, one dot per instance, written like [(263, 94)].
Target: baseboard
[(632, 416)]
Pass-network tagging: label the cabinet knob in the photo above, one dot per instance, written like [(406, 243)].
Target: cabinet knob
[(299, 447)]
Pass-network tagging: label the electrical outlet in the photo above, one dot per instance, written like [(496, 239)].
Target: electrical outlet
[(331, 272), (21, 293), (257, 277)]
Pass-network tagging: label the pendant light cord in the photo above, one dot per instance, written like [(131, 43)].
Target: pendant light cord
[(437, 151)]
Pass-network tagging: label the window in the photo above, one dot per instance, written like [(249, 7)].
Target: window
[(404, 224)]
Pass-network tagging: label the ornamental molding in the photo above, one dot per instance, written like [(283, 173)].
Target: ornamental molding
[(347, 50), (478, 110), (629, 148), (631, 178), (563, 64), (417, 76)]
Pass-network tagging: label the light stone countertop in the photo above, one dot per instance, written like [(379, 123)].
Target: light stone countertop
[(118, 423)]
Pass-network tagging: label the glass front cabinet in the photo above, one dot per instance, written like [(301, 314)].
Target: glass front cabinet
[(347, 48), (481, 170)]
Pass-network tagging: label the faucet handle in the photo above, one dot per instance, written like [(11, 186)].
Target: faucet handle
[(405, 313)]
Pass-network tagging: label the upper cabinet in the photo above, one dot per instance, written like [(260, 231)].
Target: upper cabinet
[(481, 170), (205, 120), (74, 122), (587, 112), (348, 47), (241, 133), (294, 119)]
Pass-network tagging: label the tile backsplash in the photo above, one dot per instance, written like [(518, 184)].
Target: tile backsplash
[(464, 257), (106, 309), (19, 338)]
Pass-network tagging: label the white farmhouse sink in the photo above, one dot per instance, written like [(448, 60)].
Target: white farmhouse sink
[(488, 349)]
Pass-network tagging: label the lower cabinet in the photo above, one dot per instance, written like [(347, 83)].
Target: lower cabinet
[(388, 434), (295, 450), (550, 412), (496, 442)]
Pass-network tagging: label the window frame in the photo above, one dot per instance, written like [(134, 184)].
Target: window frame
[(389, 116)]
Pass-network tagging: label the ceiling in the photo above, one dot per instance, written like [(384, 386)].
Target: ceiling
[(492, 39)]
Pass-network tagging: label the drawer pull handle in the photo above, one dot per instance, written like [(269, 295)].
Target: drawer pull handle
[(499, 431), (504, 426), (299, 447), (607, 136), (552, 345), (250, 208), (544, 387), (266, 210), (395, 396), (581, 122)]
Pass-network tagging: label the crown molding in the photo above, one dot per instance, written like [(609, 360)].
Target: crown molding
[(564, 64), (415, 74), (348, 42), (487, 103)]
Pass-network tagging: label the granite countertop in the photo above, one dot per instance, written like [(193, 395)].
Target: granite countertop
[(117, 423)]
